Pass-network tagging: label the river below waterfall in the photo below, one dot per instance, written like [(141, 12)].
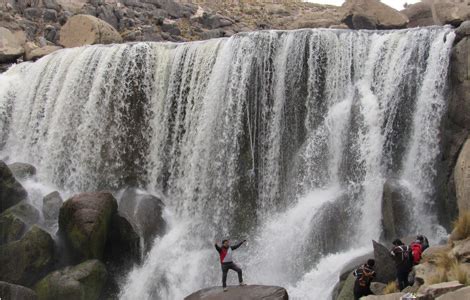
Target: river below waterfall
[(283, 138)]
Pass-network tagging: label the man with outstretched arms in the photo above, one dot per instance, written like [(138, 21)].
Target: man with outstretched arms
[(226, 259)]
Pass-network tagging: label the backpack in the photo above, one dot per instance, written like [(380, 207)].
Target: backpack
[(402, 253), (416, 251)]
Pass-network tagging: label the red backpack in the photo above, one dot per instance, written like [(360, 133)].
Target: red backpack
[(416, 251)]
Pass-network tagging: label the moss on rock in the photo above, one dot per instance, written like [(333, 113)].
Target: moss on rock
[(16, 220)]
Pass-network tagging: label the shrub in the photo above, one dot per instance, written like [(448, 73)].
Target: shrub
[(440, 276), (392, 287), (457, 273), (461, 227)]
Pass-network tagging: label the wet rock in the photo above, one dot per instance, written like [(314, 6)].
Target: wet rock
[(22, 170), (10, 46), (384, 264), (250, 292), (436, 290), (419, 14), (27, 260), (144, 211), (396, 216), (87, 30), (462, 178), (387, 17), (123, 243), (41, 51), (16, 220), (84, 281), (13, 291), (84, 222), (460, 294), (11, 191), (51, 204), (347, 291)]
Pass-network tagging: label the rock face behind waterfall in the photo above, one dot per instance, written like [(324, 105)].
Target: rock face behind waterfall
[(251, 292)]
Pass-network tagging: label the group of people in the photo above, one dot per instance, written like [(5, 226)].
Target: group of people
[(404, 256)]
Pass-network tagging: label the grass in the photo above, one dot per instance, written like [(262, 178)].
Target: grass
[(457, 273), (461, 227), (391, 288), (441, 260), (440, 276)]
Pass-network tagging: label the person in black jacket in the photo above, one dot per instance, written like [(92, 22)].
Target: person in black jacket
[(364, 276), (403, 262), (226, 260)]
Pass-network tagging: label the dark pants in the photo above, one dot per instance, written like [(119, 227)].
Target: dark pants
[(402, 278), (361, 291), (230, 266)]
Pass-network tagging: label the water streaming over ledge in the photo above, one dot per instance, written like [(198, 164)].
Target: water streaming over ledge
[(285, 138)]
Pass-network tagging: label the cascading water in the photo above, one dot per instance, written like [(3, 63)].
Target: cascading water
[(283, 138)]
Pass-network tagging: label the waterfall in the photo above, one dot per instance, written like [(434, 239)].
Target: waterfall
[(285, 138)]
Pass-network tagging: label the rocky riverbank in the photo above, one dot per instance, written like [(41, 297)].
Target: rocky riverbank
[(96, 242), (30, 29)]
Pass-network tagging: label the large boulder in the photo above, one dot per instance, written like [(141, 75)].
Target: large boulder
[(83, 30), (250, 292), (84, 222), (51, 204), (460, 294), (145, 212), (16, 220), (396, 216), (10, 47), (347, 290), (11, 191), (384, 16), (13, 291), (22, 170), (462, 178), (27, 260), (450, 12), (81, 282), (419, 14), (123, 243), (384, 264)]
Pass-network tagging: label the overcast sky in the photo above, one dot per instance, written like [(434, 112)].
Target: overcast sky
[(397, 4)]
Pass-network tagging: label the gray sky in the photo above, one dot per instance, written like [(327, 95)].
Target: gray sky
[(397, 4)]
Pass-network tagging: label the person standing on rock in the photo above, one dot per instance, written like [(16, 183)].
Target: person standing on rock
[(226, 259), (403, 262), (364, 276)]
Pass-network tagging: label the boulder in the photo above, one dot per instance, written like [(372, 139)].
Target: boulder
[(462, 31), (51, 204), (84, 222), (81, 30), (363, 21), (384, 264), (145, 213), (394, 296), (419, 14), (460, 294), (11, 191), (434, 250), (459, 106), (123, 243), (10, 47), (377, 288), (215, 21), (13, 291), (249, 292), (385, 16), (27, 260), (49, 15), (22, 170), (447, 12), (82, 282), (462, 178), (438, 289), (395, 199), (427, 273), (16, 220), (347, 291), (37, 53)]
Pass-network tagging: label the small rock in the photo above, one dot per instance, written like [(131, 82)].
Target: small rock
[(13, 291), (51, 34), (22, 170), (51, 4), (436, 290), (83, 281), (51, 204), (49, 15), (171, 29), (27, 260), (33, 13), (11, 191)]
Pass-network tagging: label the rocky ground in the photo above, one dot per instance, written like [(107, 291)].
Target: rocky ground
[(30, 29)]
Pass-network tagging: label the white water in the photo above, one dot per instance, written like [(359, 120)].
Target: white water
[(283, 138)]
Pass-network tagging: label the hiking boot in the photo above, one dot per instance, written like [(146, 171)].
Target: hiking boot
[(225, 289), (242, 284)]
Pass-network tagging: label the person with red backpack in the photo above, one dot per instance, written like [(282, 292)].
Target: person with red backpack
[(364, 276), (416, 251), (226, 259), (403, 262)]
